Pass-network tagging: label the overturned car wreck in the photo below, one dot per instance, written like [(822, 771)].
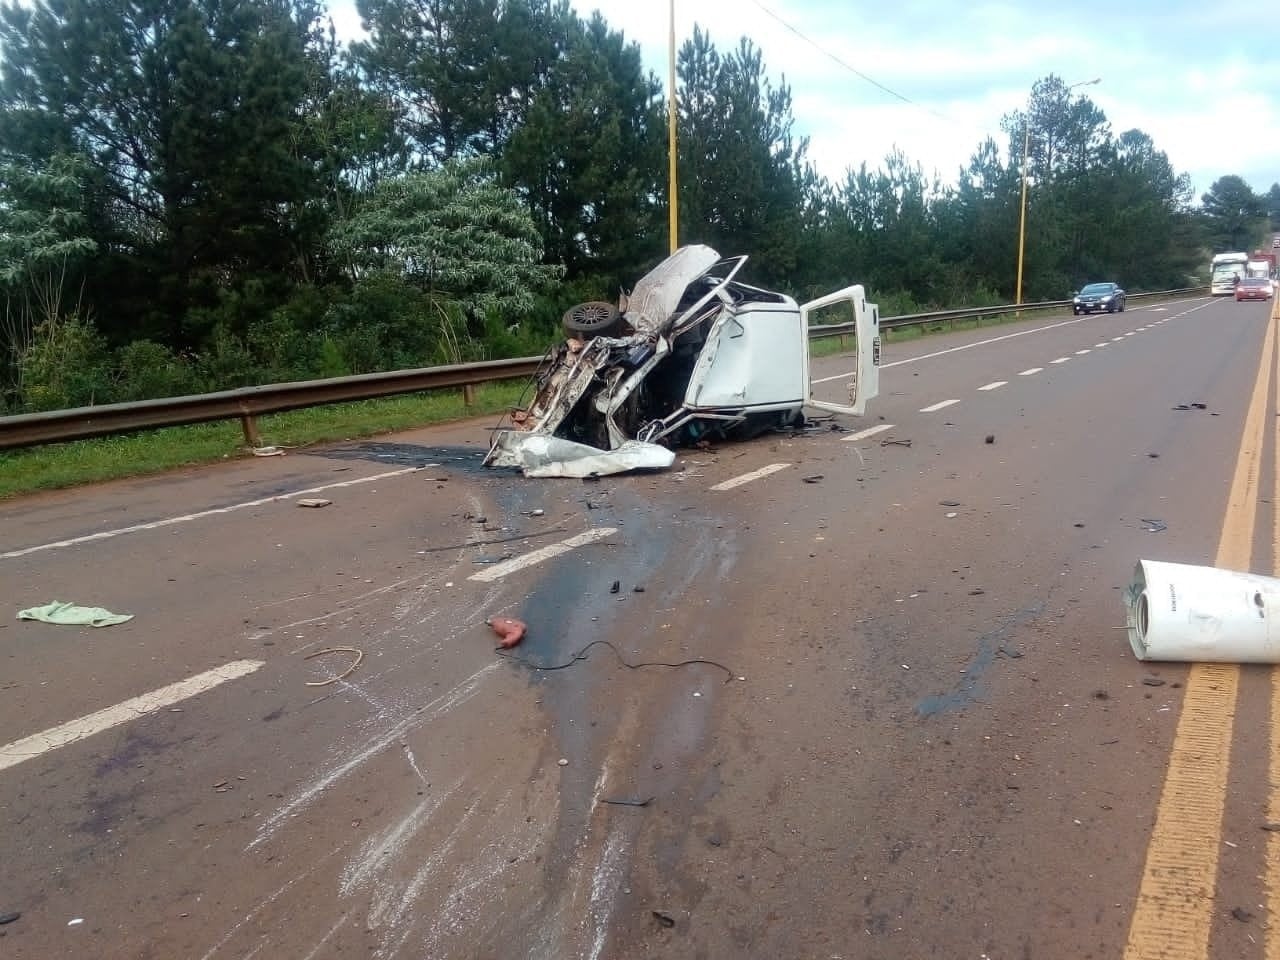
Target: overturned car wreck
[(690, 354)]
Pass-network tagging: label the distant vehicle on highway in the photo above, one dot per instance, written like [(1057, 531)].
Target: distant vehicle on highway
[(1098, 297), (1254, 288), (1275, 243), (1225, 268)]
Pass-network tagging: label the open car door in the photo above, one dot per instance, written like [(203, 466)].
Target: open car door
[(866, 330)]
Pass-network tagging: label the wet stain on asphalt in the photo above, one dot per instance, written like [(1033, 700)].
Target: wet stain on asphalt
[(462, 460), (969, 687)]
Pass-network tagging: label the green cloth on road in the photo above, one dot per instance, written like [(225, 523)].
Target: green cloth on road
[(70, 614)]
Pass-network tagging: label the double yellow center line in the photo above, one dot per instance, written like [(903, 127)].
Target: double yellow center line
[(1173, 915)]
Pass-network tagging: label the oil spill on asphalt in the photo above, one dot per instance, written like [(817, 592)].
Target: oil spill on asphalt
[(970, 685), (462, 460)]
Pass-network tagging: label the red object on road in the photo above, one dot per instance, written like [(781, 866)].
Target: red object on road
[(510, 630)]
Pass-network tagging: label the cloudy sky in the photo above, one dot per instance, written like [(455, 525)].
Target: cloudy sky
[(1186, 73)]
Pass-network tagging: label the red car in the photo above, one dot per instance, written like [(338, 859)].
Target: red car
[(1253, 288)]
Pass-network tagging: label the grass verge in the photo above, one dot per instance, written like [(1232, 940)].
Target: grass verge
[(136, 454)]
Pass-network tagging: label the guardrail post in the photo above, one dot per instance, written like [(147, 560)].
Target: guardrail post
[(469, 394), (250, 428), (844, 341)]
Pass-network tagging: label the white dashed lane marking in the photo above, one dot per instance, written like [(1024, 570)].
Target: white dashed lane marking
[(869, 432), (1116, 339), (994, 385), (170, 521), (1033, 370), (28, 748), (1081, 353), (500, 570), (753, 475), (938, 406), (1060, 360)]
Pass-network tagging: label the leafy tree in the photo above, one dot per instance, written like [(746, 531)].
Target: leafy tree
[(1273, 205), (189, 111), (43, 248), (454, 233), (588, 154), (741, 167), (1235, 216)]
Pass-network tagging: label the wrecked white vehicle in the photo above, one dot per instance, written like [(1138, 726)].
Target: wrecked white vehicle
[(690, 354)]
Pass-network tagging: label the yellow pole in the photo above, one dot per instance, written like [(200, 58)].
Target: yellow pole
[(671, 132), (1022, 220)]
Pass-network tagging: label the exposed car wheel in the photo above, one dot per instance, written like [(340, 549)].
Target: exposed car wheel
[(1076, 311), (1111, 308), (595, 318), (1122, 306)]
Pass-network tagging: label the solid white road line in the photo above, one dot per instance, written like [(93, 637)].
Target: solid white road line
[(994, 385), (938, 406), (28, 748), (170, 521), (869, 432), (1033, 370), (1060, 360), (753, 475), (967, 346), (980, 343), (500, 570)]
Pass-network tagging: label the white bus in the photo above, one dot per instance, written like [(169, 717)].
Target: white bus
[(1226, 267)]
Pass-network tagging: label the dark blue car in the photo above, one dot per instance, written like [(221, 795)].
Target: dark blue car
[(1097, 297)]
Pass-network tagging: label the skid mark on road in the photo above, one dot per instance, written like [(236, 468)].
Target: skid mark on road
[(437, 708), (549, 552), (28, 748), (748, 477), (216, 511)]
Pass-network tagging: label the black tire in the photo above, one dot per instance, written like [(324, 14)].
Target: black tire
[(595, 318), (1122, 306)]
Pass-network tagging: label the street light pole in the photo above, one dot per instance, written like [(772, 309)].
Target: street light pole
[(1022, 219), (672, 190)]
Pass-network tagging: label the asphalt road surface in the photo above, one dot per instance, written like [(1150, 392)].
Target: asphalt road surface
[(866, 694)]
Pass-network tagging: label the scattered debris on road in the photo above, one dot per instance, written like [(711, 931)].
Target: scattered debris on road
[(9, 917), (663, 919), (991, 438), (952, 515), (948, 503), (562, 762), (629, 803), (268, 452), (1152, 682), (314, 502), (1154, 526), (511, 631), (816, 478), (891, 442), (359, 655), (70, 614), (1241, 914)]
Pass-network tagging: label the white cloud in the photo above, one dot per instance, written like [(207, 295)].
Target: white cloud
[(972, 64)]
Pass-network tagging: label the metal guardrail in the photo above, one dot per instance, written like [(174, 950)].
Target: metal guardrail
[(247, 403)]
